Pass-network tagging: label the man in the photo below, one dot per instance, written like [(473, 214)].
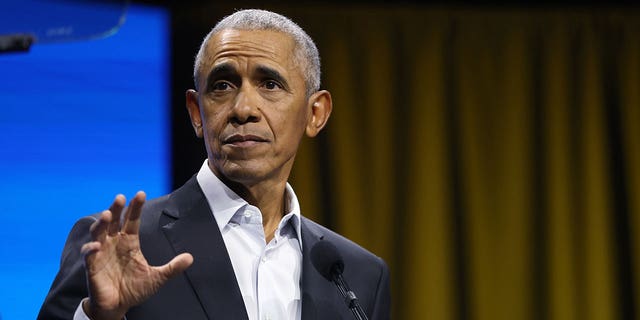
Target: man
[(236, 244)]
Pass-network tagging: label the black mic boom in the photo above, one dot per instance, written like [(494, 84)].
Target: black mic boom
[(328, 261)]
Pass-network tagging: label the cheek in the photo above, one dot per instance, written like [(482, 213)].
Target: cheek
[(213, 113), (213, 129), (293, 125), (213, 125)]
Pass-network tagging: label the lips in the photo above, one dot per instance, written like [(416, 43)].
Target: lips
[(243, 139)]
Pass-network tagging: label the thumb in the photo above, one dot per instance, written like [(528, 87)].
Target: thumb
[(176, 266)]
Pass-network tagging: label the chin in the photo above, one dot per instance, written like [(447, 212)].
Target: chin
[(244, 174)]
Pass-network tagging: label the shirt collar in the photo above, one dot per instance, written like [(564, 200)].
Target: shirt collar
[(224, 202)]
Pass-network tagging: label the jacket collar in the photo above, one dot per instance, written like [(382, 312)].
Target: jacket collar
[(225, 203), (193, 229)]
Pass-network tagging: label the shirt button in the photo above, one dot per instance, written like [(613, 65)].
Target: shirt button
[(264, 259), (248, 214)]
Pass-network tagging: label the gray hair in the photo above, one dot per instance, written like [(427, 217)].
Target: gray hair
[(306, 54)]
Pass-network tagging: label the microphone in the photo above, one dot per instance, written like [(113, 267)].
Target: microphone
[(328, 261)]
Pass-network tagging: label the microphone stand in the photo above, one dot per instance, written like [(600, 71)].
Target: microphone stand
[(349, 297)]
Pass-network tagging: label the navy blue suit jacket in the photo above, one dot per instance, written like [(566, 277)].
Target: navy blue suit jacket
[(182, 222)]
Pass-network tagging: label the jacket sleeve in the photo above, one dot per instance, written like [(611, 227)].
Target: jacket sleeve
[(69, 286), (382, 304)]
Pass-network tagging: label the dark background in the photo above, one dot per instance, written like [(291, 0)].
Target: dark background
[(478, 263), (192, 19)]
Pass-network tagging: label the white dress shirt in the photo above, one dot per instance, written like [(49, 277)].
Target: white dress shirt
[(268, 274)]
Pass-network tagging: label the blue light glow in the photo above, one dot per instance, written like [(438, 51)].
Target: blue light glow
[(79, 123)]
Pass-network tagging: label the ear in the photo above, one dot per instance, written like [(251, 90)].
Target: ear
[(193, 106), (320, 104)]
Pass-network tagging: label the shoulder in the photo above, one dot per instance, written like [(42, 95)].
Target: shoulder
[(156, 206), (350, 251), (367, 274), (168, 207)]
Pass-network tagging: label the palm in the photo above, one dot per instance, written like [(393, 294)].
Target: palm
[(119, 276)]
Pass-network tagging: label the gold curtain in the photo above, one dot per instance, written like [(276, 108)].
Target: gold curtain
[(491, 156)]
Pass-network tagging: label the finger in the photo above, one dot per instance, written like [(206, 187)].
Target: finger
[(132, 216), (99, 228), (89, 251), (176, 266), (116, 210), (90, 247)]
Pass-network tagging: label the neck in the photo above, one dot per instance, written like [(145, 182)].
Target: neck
[(267, 196), (271, 202), (267, 193)]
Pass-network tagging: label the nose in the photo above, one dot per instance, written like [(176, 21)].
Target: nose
[(245, 108)]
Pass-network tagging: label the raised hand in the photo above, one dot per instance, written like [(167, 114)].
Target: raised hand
[(118, 275)]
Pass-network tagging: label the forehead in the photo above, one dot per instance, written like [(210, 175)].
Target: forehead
[(266, 46)]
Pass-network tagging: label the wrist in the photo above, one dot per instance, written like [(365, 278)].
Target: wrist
[(94, 312)]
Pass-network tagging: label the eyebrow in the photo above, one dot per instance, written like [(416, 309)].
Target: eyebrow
[(223, 71), (228, 71), (270, 73)]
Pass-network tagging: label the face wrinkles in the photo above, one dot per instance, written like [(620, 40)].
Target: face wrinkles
[(248, 49), (228, 70), (231, 47), (253, 101)]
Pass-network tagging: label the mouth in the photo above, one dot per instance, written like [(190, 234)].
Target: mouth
[(240, 140)]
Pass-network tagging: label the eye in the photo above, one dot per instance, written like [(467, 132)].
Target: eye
[(272, 85), (221, 86)]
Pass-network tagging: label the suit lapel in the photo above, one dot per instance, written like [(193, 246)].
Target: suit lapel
[(317, 292), (194, 230)]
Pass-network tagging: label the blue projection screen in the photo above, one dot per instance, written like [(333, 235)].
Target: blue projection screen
[(79, 123)]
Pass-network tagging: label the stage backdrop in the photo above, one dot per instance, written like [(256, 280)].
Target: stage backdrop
[(490, 155), (79, 123)]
